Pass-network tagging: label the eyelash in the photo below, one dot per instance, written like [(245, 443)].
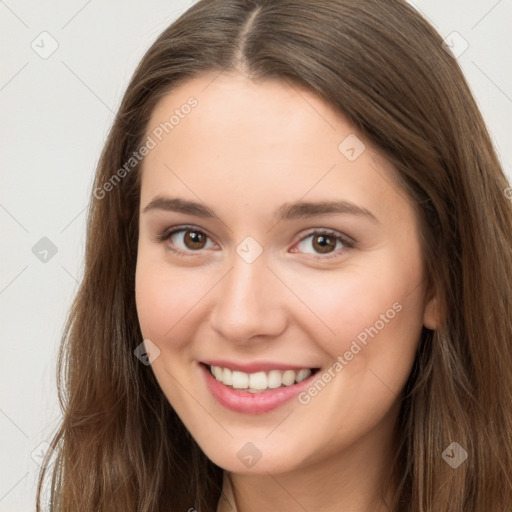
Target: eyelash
[(347, 242)]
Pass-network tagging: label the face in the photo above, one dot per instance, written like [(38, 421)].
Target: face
[(277, 252)]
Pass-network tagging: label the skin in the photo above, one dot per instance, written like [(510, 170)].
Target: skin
[(246, 149)]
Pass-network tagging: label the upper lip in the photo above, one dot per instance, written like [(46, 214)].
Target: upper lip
[(254, 367)]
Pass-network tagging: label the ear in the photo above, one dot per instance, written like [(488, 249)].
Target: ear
[(431, 314)]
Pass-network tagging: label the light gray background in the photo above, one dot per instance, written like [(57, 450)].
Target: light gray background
[(56, 113)]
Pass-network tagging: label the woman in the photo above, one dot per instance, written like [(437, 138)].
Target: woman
[(299, 210)]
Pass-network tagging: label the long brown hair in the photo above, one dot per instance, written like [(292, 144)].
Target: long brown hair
[(121, 446)]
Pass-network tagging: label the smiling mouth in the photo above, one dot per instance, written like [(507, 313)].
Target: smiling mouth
[(259, 382)]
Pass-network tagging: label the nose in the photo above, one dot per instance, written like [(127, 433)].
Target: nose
[(248, 303)]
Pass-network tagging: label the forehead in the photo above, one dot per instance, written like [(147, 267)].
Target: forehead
[(267, 115), (258, 142)]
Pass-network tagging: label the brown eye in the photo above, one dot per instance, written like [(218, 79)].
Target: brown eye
[(324, 243), (186, 240), (194, 239)]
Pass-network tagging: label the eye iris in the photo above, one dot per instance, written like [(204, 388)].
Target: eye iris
[(194, 240), (323, 243)]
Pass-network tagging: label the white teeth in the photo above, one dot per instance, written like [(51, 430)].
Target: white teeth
[(217, 372), (302, 375), (227, 377), (240, 380), (288, 378), (259, 381), (274, 379)]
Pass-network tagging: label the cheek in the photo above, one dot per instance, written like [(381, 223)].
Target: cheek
[(374, 311), (164, 299), (377, 323), (166, 303), (153, 300)]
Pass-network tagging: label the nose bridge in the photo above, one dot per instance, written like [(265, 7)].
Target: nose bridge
[(245, 306)]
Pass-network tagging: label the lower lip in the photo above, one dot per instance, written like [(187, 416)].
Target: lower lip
[(252, 403)]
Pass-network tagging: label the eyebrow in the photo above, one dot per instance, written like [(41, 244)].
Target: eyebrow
[(296, 210)]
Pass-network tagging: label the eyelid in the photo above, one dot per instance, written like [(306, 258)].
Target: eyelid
[(168, 232), (327, 231)]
